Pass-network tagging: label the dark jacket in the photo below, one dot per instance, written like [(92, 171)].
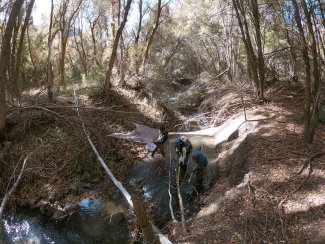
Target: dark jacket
[(181, 146), (201, 159), (162, 138)]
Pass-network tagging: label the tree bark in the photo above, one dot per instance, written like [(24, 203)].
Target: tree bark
[(49, 66), (260, 58), (307, 113), (12, 83), (108, 83), (5, 59), (16, 75), (137, 36), (255, 62), (65, 25), (93, 37), (36, 75), (151, 37), (316, 75)]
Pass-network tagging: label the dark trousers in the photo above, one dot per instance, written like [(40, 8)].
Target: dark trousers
[(183, 169), (199, 179)]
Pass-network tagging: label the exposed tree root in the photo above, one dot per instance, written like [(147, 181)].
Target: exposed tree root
[(307, 165)]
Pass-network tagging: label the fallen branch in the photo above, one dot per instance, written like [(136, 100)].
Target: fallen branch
[(214, 78), (169, 186), (181, 206), (298, 188), (108, 171), (12, 189), (306, 163), (73, 107)]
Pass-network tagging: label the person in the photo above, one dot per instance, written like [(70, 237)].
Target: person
[(159, 142), (183, 148), (201, 162)]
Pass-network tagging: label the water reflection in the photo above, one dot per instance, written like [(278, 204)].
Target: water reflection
[(98, 220)]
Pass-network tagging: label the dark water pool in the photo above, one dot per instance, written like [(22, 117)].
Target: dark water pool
[(97, 220)]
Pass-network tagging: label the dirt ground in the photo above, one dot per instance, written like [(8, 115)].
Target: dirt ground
[(271, 185)]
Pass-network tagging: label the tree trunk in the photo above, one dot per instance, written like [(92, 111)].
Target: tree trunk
[(81, 49), (255, 62), (108, 83), (151, 37), (137, 57), (307, 114), (316, 97), (36, 76), (260, 58), (93, 37), (137, 36), (62, 60), (12, 84), (49, 66), (20, 47), (65, 25), (5, 59)]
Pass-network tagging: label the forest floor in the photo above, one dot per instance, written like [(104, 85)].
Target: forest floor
[(272, 185), (261, 195)]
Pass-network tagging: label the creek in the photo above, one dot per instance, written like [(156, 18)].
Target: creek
[(96, 220)]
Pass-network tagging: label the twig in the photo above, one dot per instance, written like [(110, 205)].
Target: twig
[(308, 164), (8, 194), (214, 78), (169, 192), (242, 99), (181, 206), (298, 188), (72, 107)]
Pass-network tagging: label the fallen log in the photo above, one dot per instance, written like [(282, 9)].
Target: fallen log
[(143, 222)]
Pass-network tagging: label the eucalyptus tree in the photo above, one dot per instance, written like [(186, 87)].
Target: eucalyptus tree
[(255, 58), (5, 58), (108, 83), (68, 10), (311, 55), (17, 73)]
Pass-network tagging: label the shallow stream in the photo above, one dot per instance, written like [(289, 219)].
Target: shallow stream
[(96, 220)]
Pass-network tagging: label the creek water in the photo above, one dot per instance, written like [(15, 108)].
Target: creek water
[(97, 220), (155, 175)]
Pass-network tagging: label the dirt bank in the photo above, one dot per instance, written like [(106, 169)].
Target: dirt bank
[(260, 195)]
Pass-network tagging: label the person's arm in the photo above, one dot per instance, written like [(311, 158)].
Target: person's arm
[(177, 151), (159, 139), (162, 138)]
